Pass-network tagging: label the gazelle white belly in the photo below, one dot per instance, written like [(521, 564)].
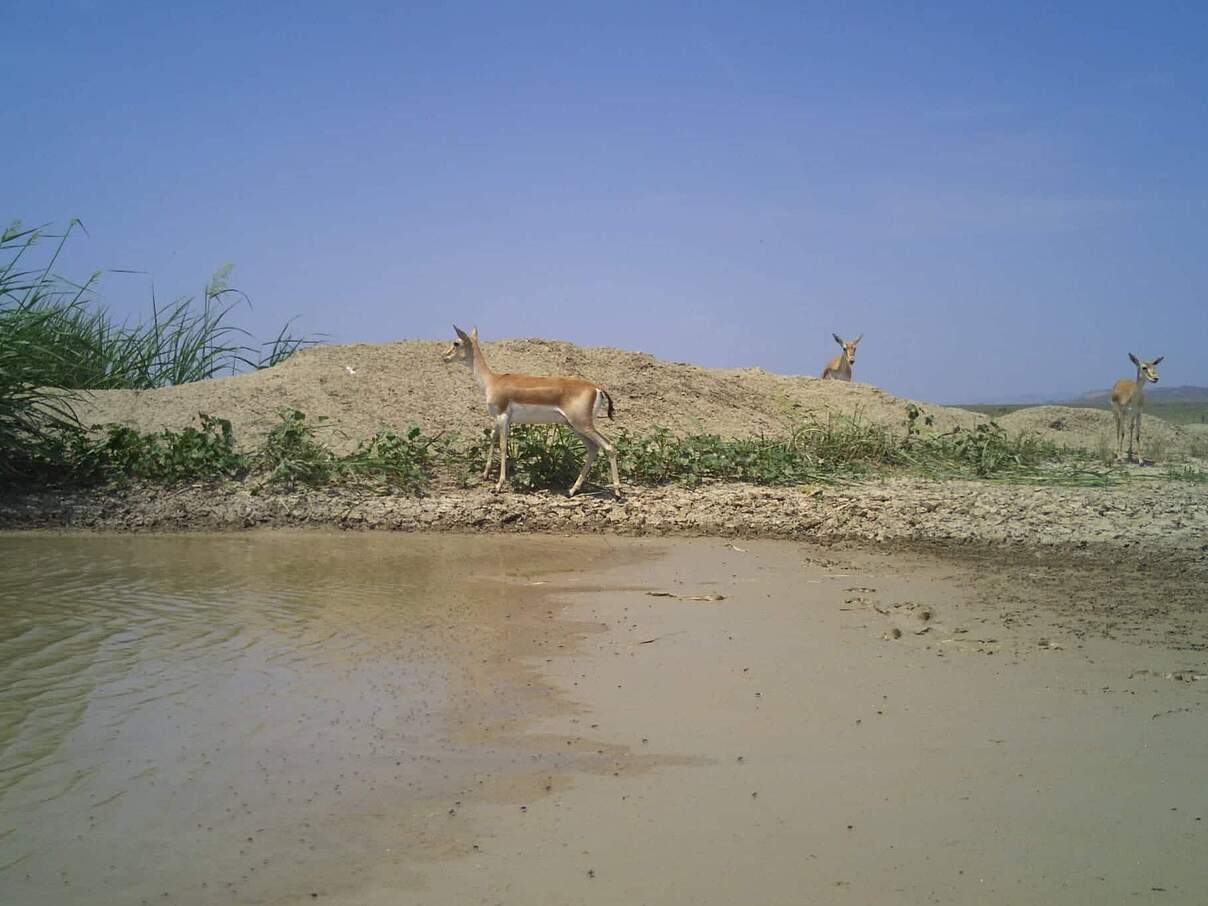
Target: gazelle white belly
[(528, 414)]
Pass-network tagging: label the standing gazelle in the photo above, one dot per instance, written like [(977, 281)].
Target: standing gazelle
[(525, 399), (839, 368), (1127, 399)]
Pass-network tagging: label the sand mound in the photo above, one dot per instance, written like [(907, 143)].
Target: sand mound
[(362, 387), (1095, 429)]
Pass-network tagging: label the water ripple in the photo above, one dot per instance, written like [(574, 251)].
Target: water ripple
[(153, 687)]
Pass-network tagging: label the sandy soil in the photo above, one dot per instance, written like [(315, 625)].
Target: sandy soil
[(360, 388)]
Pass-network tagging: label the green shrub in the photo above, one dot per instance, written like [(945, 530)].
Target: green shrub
[(292, 455), (397, 461), (190, 454), (542, 457), (550, 456), (660, 457)]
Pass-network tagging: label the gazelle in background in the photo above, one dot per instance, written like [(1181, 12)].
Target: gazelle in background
[(839, 368), (525, 399), (1127, 399)]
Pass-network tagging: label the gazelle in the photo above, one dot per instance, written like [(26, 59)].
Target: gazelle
[(1127, 399), (839, 368), (525, 399)]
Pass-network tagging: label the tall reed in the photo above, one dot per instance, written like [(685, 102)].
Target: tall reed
[(30, 298), (57, 337)]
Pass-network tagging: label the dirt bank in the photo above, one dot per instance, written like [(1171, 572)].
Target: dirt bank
[(1151, 517), (360, 388)]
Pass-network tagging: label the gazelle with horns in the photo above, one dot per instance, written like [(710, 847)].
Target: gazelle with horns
[(525, 399), (839, 368), (1127, 399)]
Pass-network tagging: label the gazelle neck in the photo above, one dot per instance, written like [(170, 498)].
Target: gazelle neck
[(1139, 393), (482, 371)]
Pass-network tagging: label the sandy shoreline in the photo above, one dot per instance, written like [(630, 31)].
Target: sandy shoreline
[(1138, 519), (845, 725)]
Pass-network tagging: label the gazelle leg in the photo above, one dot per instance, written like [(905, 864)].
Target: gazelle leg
[(1119, 432), (486, 473), (1137, 432), (502, 430), (611, 452), (588, 458)]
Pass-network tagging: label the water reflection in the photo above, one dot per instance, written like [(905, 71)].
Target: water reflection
[(203, 716)]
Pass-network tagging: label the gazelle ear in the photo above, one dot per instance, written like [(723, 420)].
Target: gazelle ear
[(461, 333), (473, 333), (838, 339), (1132, 358), (856, 341), (1158, 359)]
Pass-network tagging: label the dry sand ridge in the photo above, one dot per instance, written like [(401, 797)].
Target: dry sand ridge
[(361, 388)]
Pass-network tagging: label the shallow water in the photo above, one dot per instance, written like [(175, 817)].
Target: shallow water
[(375, 719), (201, 719)]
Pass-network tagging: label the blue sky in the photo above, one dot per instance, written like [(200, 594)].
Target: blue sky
[(1003, 200)]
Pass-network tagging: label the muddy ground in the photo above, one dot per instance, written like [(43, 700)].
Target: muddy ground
[(518, 719), (1143, 517), (863, 727)]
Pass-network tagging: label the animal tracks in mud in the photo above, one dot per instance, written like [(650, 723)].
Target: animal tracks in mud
[(905, 619)]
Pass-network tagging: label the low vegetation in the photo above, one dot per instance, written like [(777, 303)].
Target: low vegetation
[(295, 454)]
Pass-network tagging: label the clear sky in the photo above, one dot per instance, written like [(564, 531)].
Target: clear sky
[(1004, 200)]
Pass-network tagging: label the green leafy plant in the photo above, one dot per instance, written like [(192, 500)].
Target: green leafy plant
[(396, 461), (292, 455), (914, 415), (543, 456), (189, 454)]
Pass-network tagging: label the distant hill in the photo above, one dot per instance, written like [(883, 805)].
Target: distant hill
[(1184, 394)]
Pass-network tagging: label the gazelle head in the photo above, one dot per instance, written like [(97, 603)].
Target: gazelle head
[(462, 348), (849, 349), (1146, 369)]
